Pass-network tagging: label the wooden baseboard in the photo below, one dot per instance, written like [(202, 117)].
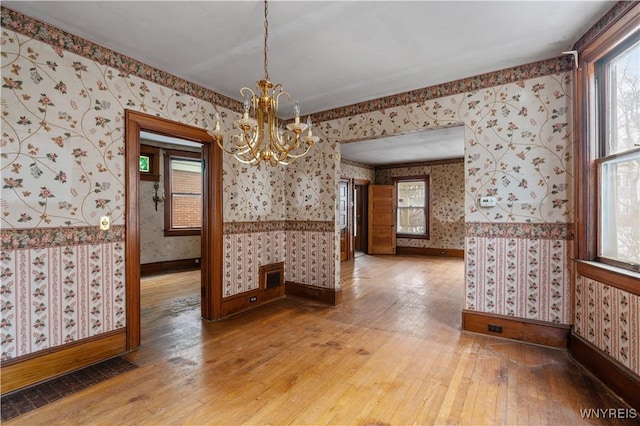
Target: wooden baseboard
[(427, 251), (169, 266), (249, 300), (615, 376), (34, 368), (329, 296), (540, 333)]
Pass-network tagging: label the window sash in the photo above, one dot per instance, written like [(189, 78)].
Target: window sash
[(183, 206), (412, 207), (619, 210)]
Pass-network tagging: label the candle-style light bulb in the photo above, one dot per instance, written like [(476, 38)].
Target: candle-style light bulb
[(309, 125), (217, 125), (296, 112), (246, 107)]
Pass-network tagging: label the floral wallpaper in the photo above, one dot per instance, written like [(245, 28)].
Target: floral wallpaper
[(310, 182), (609, 318), (252, 193), (518, 144), (353, 170), (63, 134), (446, 184)]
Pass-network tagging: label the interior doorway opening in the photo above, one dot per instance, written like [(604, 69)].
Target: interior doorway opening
[(211, 232)]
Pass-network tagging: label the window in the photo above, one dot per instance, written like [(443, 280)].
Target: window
[(412, 201), (183, 186), (618, 165)]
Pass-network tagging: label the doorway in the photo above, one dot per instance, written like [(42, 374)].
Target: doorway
[(353, 207), (211, 234), (360, 216)]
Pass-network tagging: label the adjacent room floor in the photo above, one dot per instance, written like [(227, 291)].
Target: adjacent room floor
[(392, 353)]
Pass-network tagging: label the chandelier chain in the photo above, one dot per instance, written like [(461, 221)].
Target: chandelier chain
[(266, 36)]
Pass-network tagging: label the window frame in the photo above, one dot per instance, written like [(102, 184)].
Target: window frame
[(427, 206), (169, 155), (588, 149)]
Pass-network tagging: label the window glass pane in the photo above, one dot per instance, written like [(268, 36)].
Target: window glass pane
[(186, 193), (620, 208), (411, 220), (411, 194), (186, 176), (624, 101), (411, 203), (187, 211)]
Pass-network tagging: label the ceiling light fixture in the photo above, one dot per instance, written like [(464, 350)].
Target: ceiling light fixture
[(271, 144)]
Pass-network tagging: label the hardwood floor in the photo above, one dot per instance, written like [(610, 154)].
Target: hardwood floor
[(392, 353)]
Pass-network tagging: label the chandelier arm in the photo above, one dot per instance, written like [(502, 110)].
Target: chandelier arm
[(252, 144), (252, 161)]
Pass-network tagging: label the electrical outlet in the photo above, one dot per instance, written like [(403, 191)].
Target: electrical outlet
[(253, 299), (495, 328)]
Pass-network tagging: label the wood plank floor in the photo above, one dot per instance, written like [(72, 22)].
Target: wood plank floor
[(392, 353)]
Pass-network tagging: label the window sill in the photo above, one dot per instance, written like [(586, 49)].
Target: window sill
[(181, 232), (610, 275), (413, 236)]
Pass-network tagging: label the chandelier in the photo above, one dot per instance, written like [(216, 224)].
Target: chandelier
[(261, 138)]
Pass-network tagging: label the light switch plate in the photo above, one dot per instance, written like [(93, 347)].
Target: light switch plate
[(105, 223)]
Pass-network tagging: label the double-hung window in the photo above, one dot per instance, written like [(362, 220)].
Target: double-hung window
[(183, 186), (412, 217), (618, 163)]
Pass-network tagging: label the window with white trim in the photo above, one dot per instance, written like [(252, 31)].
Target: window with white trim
[(412, 207), (618, 165), (183, 186)]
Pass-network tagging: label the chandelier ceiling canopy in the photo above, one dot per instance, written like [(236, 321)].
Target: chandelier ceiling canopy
[(261, 139)]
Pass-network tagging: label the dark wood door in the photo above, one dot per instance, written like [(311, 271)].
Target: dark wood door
[(361, 203)]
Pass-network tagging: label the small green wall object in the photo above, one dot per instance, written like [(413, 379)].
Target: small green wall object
[(145, 164)]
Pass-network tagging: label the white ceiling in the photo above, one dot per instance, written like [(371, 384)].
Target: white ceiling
[(327, 54), (438, 144)]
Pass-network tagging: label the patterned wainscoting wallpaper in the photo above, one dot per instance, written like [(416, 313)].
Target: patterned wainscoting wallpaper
[(307, 248), (519, 270), (244, 254), (446, 184), (609, 318), (59, 285)]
